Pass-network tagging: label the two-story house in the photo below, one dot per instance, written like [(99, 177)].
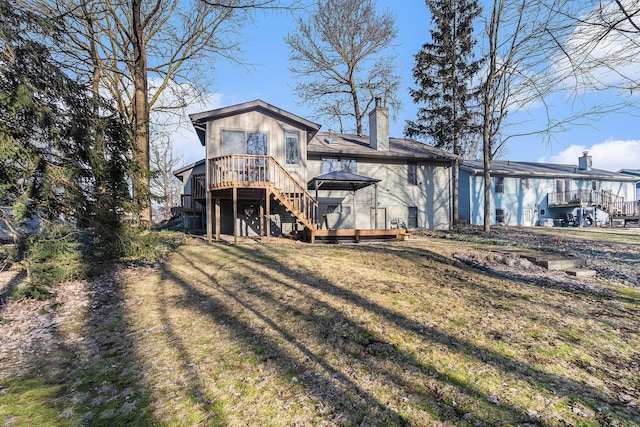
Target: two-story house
[(528, 194), (270, 172)]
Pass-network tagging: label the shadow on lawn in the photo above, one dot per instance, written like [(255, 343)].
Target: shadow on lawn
[(598, 297), (89, 378), (5, 294), (360, 346)]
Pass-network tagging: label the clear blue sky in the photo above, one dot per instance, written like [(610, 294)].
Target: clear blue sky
[(613, 140)]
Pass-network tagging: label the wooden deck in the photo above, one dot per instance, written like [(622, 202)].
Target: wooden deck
[(240, 176), (335, 236)]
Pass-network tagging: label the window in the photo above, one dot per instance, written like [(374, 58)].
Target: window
[(413, 217), (330, 164), (595, 185), (233, 142), (348, 165), (524, 183), (240, 142), (499, 216), (257, 143), (498, 183), (338, 208), (412, 173), (563, 188), (292, 148)]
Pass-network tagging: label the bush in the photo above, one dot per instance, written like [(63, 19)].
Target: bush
[(54, 254), (58, 253)]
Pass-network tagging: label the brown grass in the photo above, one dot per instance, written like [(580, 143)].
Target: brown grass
[(289, 334), (387, 334)]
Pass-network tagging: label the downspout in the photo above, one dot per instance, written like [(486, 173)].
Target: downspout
[(375, 206)]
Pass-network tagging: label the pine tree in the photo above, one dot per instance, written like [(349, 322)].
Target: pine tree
[(64, 154), (443, 71)]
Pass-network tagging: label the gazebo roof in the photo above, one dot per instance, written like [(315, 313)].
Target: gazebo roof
[(340, 180)]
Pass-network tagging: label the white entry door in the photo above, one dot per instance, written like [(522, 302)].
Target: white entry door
[(527, 217)]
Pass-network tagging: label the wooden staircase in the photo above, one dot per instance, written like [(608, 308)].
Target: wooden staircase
[(254, 171)]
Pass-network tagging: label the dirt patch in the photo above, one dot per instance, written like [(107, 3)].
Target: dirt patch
[(613, 253)]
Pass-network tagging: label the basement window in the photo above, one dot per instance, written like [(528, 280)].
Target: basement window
[(413, 217), (499, 216)]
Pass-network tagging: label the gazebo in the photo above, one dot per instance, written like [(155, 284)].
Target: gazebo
[(345, 181)]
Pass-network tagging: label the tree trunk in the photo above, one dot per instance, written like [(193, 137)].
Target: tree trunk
[(487, 194), (141, 183), (454, 202)]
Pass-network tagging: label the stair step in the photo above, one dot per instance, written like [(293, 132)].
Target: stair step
[(561, 263), (581, 272)]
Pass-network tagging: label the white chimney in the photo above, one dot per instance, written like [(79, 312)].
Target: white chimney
[(584, 162), (379, 127)]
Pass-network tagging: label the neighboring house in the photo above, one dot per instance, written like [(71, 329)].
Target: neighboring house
[(530, 194), (636, 174), (270, 172)]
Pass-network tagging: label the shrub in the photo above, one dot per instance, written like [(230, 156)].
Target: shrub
[(55, 254)]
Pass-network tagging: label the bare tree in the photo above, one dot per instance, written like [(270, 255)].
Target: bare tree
[(339, 56), (603, 46), (163, 183), (523, 52), (151, 55)]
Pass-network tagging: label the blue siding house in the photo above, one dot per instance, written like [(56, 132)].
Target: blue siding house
[(528, 194), (636, 174)]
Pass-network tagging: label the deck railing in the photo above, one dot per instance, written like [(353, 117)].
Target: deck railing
[(190, 205), (199, 186), (246, 170), (585, 197), (627, 209), (613, 204)]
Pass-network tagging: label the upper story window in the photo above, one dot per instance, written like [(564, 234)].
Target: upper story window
[(241, 142), (595, 185), (332, 164), (257, 143), (292, 148), (348, 165), (412, 173), (524, 183), (498, 183)]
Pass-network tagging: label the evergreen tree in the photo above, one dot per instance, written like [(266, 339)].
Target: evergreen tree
[(443, 72), (63, 153)]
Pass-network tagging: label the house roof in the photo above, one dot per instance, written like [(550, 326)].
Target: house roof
[(199, 120), (341, 180), (340, 145), (499, 167), (178, 172), (633, 172)]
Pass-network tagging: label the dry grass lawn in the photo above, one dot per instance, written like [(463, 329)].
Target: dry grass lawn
[(385, 334)]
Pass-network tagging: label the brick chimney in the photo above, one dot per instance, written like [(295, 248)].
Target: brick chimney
[(584, 162), (379, 127)]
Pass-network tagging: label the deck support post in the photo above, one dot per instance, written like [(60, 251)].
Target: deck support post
[(217, 219), (261, 220), (267, 203), (209, 215), (235, 215)]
